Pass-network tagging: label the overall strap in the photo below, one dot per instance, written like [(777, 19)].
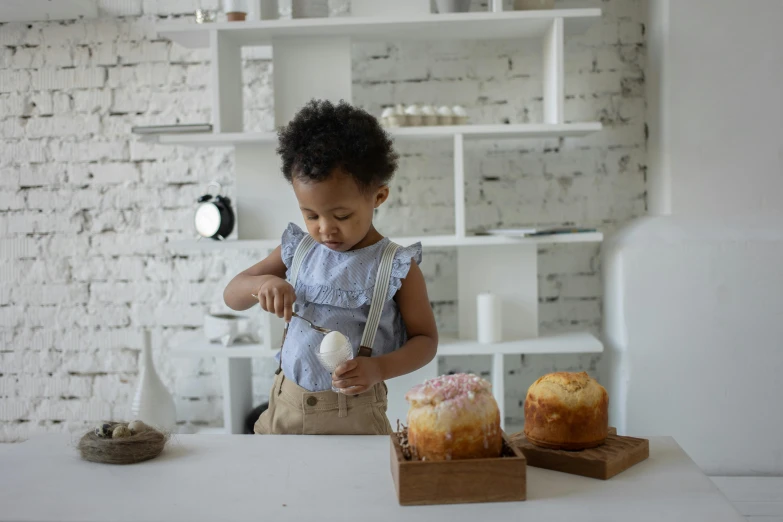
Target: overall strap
[(379, 295), (302, 249)]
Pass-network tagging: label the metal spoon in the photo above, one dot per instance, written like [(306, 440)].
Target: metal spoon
[(319, 329)]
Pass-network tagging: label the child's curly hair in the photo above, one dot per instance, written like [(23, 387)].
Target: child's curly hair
[(324, 136)]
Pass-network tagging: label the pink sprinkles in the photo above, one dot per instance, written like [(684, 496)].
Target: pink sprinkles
[(447, 387)]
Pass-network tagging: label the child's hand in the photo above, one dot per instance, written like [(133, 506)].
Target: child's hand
[(277, 296), (357, 375)]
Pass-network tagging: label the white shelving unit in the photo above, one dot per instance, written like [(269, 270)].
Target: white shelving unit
[(312, 59)]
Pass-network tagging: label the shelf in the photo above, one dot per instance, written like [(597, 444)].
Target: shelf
[(40, 10), (470, 132), (456, 26), (454, 241), (550, 344), (203, 348), (208, 245), (210, 139), (497, 131), (427, 241)]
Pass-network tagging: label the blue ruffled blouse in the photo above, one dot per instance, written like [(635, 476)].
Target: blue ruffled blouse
[(334, 290)]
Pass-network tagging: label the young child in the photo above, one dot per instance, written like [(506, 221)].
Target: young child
[(339, 162)]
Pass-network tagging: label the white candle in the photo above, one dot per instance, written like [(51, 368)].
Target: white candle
[(489, 320), (234, 6)]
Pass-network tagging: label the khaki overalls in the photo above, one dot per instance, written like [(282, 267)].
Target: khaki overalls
[(294, 410)]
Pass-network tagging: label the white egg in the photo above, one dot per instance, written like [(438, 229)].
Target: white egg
[(138, 426), (103, 431), (333, 342), (459, 111), (413, 110), (120, 432), (445, 111), (335, 349)]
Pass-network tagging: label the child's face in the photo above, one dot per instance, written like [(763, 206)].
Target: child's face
[(337, 213)]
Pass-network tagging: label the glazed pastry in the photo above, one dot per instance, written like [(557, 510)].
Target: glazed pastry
[(454, 417)]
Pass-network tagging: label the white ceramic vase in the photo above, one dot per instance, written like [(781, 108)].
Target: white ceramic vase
[(152, 402)]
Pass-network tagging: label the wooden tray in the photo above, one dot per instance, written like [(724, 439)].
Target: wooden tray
[(604, 462), (459, 481)]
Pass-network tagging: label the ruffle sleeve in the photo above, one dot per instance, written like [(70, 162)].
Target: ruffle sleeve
[(402, 265), (292, 236)]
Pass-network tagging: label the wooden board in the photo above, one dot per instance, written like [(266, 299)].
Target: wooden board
[(459, 481), (604, 462)]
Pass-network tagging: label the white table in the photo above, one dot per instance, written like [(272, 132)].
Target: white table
[(321, 478)]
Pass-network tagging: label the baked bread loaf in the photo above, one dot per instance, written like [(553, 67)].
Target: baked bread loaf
[(566, 410), (453, 417)]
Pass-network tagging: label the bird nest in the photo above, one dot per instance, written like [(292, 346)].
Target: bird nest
[(137, 447), (402, 436)]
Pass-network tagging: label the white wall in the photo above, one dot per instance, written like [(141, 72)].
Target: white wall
[(693, 297), (715, 107), (694, 339), (85, 208)]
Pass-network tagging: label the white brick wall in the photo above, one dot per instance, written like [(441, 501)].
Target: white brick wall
[(85, 208)]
